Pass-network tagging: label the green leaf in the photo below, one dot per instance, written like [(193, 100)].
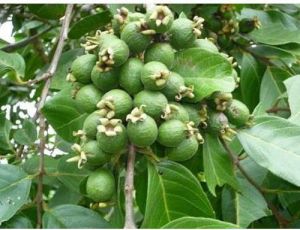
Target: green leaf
[(12, 64), (185, 8), (89, 23), (271, 142), (59, 79), (208, 72), (64, 195), (199, 222), (18, 221), (14, 190), (245, 206), (277, 28), (272, 87), (251, 75), (293, 90), (5, 127), (27, 134), (61, 112), (69, 174), (73, 216), (53, 11), (173, 192), (218, 168)]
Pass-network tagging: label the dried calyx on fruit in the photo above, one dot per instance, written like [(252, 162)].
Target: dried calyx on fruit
[(160, 18), (221, 100), (175, 111)]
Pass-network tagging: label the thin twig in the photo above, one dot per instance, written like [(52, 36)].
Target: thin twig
[(42, 122), (128, 189), (283, 223), (24, 42)]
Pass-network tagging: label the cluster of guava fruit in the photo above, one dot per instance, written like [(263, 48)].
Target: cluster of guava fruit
[(126, 84)]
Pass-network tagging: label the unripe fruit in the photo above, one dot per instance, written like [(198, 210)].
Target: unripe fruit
[(184, 32), (220, 100), (184, 151), (154, 75), (137, 36), (130, 76), (87, 98), (175, 88), (111, 136), (161, 52), (142, 130), (105, 81), (237, 113), (160, 18), (115, 103), (81, 68), (206, 45), (100, 185), (90, 124), (96, 41), (246, 25), (113, 53), (175, 111), (154, 102), (197, 92), (193, 112), (95, 156), (171, 133)]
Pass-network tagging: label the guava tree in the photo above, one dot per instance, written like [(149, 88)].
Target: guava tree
[(150, 116)]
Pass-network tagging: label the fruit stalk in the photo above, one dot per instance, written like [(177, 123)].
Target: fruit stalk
[(128, 189)]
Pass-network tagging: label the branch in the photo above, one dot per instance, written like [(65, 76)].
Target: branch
[(279, 217), (24, 42), (42, 122), (128, 189)]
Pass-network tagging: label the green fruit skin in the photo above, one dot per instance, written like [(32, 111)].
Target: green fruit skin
[(171, 133), (161, 52), (136, 41), (120, 50), (95, 156), (184, 151), (130, 76), (206, 44), (173, 85), (192, 112), (142, 133), (90, 125), (155, 103), (87, 98), (112, 144), (148, 70), (237, 113), (105, 81), (181, 114), (106, 37), (216, 122), (82, 66), (122, 102), (181, 33), (100, 185)]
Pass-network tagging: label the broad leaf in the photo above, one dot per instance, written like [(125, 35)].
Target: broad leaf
[(293, 90), (14, 190), (199, 222), (5, 127), (59, 79), (277, 28), (18, 221), (173, 192), (12, 64), (69, 174), (73, 216), (274, 144), (64, 195), (272, 87), (53, 11), (207, 71), (245, 206), (218, 168), (89, 23), (61, 112), (251, 74), (27, 134)]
